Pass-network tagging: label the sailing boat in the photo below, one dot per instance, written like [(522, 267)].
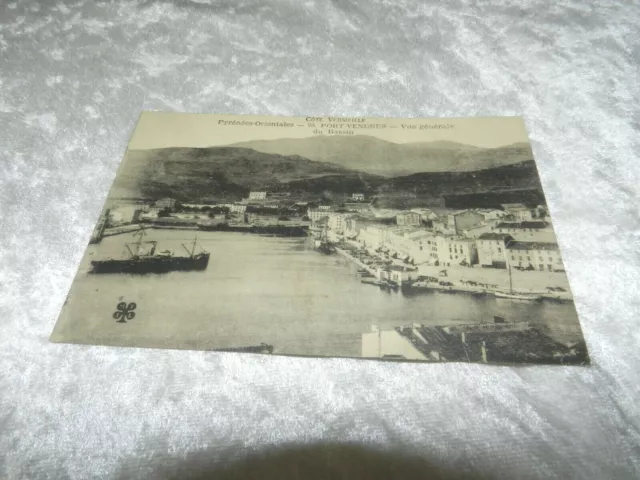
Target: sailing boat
[(140, 262), (323, 244), (515, 295)]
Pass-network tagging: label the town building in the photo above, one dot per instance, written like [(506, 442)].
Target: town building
[(426, 214), (396, 274), (492, 249), (425, 247), (456, 251), (358, 197), (408, 218), (477, 230), (398, 243), (257, 195), (533, 231), (336, 223), (491, 213), (166, 203), (236, 207), (541, 256), (324, 208), (357, 207), (373, 237), (518, 211), (315, 215), (456, 223), (385, 212)]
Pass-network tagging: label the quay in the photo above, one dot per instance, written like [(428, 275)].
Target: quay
[(456, 285)]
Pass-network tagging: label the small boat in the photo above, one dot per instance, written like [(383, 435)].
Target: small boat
[(519, 296), (369, 280), (511, 295)]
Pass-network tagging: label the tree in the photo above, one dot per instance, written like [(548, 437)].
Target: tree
[(165, 212)]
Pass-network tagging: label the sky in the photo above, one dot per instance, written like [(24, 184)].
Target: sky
[(165, 129)]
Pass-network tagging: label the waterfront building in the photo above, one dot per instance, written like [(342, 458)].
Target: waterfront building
[(492, 249), (454, 251), (315, 215), (396, 274), (424, 247), (336, 222), (399, 242), (373, 237), (408, 218), (257, 195), (357, 197), (541, 256)]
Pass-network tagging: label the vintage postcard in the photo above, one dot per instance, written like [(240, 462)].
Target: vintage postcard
[(398, 239)]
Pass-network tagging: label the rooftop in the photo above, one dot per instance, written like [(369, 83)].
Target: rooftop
[(522, 225), (533, 246), (495, 236)]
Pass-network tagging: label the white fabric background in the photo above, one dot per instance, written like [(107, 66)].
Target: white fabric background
[(74, 76)]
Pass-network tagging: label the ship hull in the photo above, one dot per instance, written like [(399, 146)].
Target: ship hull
[(522, 297), (151, 265)]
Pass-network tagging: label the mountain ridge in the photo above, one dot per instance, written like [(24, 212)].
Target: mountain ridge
[(381, 157)]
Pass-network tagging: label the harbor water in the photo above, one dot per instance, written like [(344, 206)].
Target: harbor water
[(279, 291)]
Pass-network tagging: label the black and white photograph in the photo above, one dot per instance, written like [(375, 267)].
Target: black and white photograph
[(394, 239)]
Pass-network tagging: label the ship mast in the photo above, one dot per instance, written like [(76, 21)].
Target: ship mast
[(193, 247), (140, 233), (506, 258)]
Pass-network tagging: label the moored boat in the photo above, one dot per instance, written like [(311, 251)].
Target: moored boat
[(151, 261), (519, 296)]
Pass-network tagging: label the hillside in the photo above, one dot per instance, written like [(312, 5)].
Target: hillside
[(188, 173), (380, 157), (230, 173), (481, 185)]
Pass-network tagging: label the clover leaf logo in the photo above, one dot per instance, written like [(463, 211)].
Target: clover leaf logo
[(124, 312)]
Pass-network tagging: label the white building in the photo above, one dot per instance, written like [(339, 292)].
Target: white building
[(542, 256), (456, 223), (257, 195), (491, 213), (527, 231), (358, 197), (426, 214), (408, 218), (454, 251), (492, 249), (337, 222), (236, 207), (315, 215)]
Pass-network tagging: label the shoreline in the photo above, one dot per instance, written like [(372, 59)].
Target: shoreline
[(457, 288)]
